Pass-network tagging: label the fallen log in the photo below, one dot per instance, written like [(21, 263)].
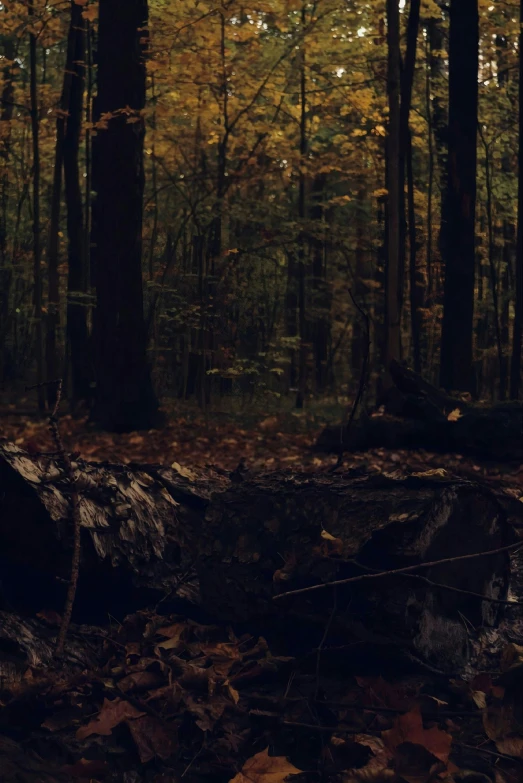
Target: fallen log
[(146, 528), (417, 415)]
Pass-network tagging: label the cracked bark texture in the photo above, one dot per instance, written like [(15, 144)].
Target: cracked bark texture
[(145, 526)]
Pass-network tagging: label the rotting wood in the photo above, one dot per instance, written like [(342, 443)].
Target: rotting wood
[(145, 526)]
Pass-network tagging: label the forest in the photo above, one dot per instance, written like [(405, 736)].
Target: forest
[(261, 416)]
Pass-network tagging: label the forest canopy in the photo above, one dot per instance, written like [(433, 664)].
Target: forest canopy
[(204, 199)]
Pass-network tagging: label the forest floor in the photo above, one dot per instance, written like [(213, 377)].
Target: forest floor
[(266, 442), (344, 726)]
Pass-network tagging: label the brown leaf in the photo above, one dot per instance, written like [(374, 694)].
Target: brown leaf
[(409, 728), (152, 738), (111, 715), (263, 768), (85, 769)]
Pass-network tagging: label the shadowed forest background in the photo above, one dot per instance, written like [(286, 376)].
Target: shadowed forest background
[(209, 201), (261, 446)]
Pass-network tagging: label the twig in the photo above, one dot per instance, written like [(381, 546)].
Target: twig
[(488, 752), (75, 514), (344, 431), (393, 572), (449, 588)]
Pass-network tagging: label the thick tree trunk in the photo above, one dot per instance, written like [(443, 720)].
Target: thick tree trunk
[(457, 331), (145, 526), (124, 395)]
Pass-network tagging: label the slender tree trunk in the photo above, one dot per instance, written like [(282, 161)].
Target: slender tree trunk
[(407, 81), (6, 114), (37, 253), (53, 363), (415, 282), (77, 281), (430, 184), (393, 338), (439, 117), (302, 198), (125, 399), (515, 364), (457, 332)]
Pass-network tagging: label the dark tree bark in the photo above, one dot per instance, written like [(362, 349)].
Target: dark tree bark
[(142, 526), (457, 331), (515, 365), (417, 417), (53, 362), (407, 81), (6, 114), (393, 336), (37, 250), (78, 274), (125, 399)]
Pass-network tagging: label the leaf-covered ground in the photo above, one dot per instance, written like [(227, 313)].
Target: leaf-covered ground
[(265, 442), (183, 701)]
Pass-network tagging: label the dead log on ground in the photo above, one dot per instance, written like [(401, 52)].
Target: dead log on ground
[(145, 527), (417, 417)]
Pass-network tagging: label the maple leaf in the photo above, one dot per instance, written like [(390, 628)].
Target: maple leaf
[(111, 715), (263, 768), (409, 728)]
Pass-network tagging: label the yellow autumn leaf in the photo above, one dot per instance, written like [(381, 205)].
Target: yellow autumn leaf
[(263, 768)]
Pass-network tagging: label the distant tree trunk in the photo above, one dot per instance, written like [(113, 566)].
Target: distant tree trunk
[(53, 363), (515, 364), (6, 114), (302, 197), (457, 331), (125, 399), (415, 281), (407, 80), (393, 332), (77, 281), (430, 184), (321, 299), (37, 253), (439, 117)]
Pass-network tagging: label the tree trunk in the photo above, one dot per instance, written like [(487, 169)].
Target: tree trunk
[(515, 365), (125, 399), (393, 337), (407, 81), (457, 331), (302, 209), (6, 114), (78, 275), (415, 281), (53, 363), (144, 526), (37, 253)]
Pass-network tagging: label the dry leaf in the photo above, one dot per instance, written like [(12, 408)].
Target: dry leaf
[(409, 728), (152, 738), (263, 768), (111, 715)]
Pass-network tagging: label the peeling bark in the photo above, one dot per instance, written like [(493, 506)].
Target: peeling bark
[(145, 526)]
